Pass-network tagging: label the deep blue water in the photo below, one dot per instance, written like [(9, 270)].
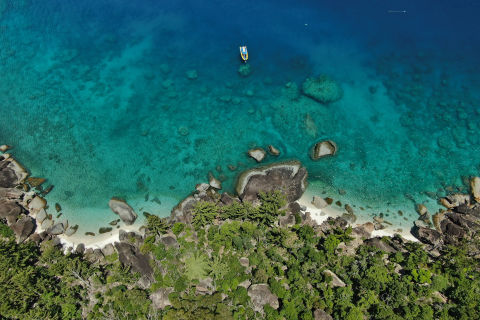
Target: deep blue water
[(94, 96)]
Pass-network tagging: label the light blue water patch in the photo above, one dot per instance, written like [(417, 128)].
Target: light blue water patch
[(142, 100)]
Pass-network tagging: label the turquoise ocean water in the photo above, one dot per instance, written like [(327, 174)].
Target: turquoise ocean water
[(96, 97)]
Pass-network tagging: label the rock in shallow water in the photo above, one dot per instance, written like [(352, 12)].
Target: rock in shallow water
[(121, 208), (288, 177), (475, 186), (258, 154), (323, 149)]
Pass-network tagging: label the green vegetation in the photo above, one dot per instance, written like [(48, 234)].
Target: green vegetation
[(207, 271)]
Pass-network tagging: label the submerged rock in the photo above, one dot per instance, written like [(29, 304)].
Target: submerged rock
[(35, 182), (323, 149), (192, 74), (121, 208), (258, 154), (322, 89), (288, 177), (245, 70)]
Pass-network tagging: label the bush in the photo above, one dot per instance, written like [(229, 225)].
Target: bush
[(204, 213)]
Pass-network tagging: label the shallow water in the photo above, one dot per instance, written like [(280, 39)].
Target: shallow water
[(95, 97)]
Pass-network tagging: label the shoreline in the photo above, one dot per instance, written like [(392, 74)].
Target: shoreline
[(321, 215), (99, 241)]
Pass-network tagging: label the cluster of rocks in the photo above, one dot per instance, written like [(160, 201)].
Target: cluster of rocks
[(25, 213), (460, 220), (288, 177), (259, 154)]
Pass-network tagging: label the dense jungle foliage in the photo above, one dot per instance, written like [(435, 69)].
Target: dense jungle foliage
[(43, 283)]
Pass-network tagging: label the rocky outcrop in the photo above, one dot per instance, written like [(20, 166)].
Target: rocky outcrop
[(261, 295), (322, 89), (129, 255), (288, 177), (322, 149), (23, 228), (460, 221), (121, 208)]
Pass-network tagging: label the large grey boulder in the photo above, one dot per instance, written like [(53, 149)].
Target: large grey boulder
[(378, 243), (23, 228), (129, 255), (336, 281), (12, 173), (122, 208), (261, 295), (10, 193), (182, 212), (427, 235), (56, 229), (9, 209), (160, 298), (8, 178), (288, 177), (321, 315)]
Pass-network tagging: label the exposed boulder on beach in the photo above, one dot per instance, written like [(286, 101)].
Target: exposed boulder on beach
[(287, 177), (322, 89), (322, 149), (121, 208)]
